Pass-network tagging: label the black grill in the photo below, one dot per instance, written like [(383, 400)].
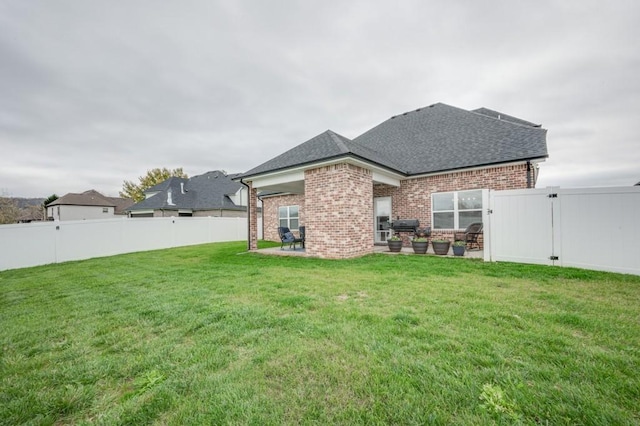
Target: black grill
[(405, 225)]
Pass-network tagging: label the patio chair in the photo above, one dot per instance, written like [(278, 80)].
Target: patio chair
[(303, 231), (470, 235), (287, 237)]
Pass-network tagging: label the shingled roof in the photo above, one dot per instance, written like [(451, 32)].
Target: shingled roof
[(208, 191), (325, 146), (92, 198), (433, 139)]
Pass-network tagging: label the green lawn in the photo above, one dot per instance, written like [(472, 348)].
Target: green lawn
[(211, 335)]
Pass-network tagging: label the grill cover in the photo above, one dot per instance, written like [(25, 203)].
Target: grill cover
[(405, 225)]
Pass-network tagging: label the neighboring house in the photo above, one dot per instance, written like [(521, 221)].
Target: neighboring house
[(87, 205), (210, 194), (429, 164)]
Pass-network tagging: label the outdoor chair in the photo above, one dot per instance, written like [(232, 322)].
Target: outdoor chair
[(303, 231), (470, 235), (287, 237)]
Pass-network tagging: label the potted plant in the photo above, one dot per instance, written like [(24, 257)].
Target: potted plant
[(441, 246), (420, 245), (395, 244), (458, 248)]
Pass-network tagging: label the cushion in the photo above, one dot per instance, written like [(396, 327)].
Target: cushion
[(288, 236)]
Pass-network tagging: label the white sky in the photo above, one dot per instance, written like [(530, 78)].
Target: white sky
[(96, 92)]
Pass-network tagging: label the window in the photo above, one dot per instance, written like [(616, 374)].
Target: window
[(288, 216), (105, 210), (456, 210)]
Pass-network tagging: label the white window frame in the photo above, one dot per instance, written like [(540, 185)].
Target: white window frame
[(288, 216), (456, 210)]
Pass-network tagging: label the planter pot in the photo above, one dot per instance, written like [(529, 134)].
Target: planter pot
[(420, 247), (395, 246), (458, 250), (440, 247)]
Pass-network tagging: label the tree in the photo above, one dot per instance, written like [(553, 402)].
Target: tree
[(153, 177), (9, 211), (50, 199)]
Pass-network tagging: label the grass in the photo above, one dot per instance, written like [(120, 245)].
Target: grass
[(205, 335)]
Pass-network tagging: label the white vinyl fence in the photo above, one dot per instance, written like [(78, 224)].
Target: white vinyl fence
[(592, 228), (41, 243)]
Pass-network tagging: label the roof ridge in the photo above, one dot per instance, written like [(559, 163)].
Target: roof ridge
[(338, 139), (520, 122)]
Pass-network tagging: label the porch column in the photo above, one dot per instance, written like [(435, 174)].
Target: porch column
[(253, 217), (339, 211)]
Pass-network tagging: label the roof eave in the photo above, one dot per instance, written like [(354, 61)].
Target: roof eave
[(535, 159), (320, 162)]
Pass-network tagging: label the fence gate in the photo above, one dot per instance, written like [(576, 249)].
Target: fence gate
[(522, 226), (593, 228)]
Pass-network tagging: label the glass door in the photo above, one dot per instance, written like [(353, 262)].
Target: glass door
[(382, 214)]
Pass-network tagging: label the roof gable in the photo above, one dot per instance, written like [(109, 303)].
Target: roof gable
[(325, 146)]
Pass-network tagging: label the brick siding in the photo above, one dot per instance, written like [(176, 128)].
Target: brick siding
[(339, 211), (412, 200), (339, 202), (271, 218), (253, 218)]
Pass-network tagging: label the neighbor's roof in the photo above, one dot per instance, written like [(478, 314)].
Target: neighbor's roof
[(203, 192), (433, 139), (93, 198), (87, 198)]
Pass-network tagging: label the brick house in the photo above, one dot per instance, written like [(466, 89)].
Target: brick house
[(430, 164)]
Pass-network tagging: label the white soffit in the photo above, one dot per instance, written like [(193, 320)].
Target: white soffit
[(290, 177), (278, 179)]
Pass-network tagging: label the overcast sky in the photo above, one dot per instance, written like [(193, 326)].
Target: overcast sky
[(96, 92)]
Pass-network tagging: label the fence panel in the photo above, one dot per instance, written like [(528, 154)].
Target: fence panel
[(592, 228), (32, 244), (600, 229)]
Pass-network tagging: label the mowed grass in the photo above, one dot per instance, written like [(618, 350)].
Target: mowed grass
[(212, 335)]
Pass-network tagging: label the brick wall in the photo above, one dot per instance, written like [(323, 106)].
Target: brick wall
[(339, 211), (346, 192), (412, 200), (270, 210), (253, 217)]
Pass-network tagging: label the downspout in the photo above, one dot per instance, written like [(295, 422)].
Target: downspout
[(248, 214), (529, 174)]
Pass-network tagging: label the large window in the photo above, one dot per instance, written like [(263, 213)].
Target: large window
[(288, 216), (456, 210)]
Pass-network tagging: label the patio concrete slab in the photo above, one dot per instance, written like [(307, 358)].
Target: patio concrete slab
[(276, 251)]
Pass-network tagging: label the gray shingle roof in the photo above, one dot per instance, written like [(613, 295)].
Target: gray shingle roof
[(502, 116), (325, 146), (208, 191), (432, 139), (441, 137), (87, 198)]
